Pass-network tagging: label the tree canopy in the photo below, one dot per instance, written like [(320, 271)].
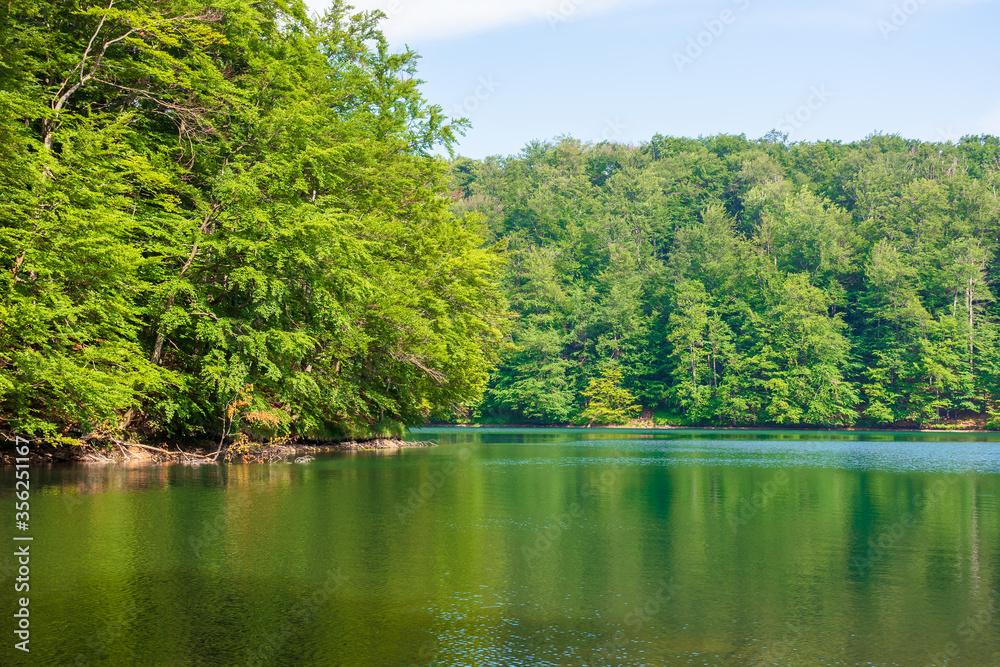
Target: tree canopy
[(740, 282), (226, 215), (229, 217)]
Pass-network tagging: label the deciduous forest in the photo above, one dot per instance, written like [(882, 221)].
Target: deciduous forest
[(727, 281), (226, 218), (235, 218)]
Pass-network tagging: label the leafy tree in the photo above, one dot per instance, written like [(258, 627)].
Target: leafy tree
[(207, 198), (752, 282), (608, 402)]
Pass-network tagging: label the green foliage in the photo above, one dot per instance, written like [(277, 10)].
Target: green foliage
[(741, 282), (608, 402), (197, 199), (200, 198)]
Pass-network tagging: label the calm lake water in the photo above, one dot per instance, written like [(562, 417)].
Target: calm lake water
[(528, 547)]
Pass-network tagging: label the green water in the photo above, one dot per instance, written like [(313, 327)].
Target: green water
[(527, 547)]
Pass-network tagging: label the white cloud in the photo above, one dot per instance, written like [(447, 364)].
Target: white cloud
[(410, 20), (850, 15), (416, 20)]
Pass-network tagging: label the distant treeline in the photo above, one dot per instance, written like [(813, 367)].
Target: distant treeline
[(734, 281), (224, 216)]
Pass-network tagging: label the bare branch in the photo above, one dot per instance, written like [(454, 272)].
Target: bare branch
[(63, 94), (158, 346), (434, 374)]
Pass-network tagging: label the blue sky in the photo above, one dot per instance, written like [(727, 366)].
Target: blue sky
[(625, 70)]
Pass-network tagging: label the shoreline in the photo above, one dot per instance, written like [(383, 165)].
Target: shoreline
[(671, 427), (125, 453), (131, 453)]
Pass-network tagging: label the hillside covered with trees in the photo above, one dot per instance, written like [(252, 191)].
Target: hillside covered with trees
[(225, 217), (735, 282), (231, 218)]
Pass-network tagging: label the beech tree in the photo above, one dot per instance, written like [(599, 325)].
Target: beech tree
[(226, 216), (749, 282)]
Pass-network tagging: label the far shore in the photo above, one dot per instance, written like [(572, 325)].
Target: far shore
[(671, 427)]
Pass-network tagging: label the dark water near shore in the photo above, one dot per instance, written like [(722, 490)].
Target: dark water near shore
[(527, 547)]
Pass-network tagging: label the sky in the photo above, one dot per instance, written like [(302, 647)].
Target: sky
[(625, 70)]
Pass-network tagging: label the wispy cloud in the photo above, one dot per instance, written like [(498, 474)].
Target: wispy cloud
[(849, 15), (410, 20), (418, 20)]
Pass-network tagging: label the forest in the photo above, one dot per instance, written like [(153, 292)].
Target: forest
[(727, 281), (227, 218), (236, 218)]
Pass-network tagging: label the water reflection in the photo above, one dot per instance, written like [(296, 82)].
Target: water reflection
[(532, 548)]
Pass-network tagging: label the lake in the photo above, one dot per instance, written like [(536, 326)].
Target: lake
[(529, 547)]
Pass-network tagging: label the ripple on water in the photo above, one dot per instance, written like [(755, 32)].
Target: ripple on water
[(933, 457)]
